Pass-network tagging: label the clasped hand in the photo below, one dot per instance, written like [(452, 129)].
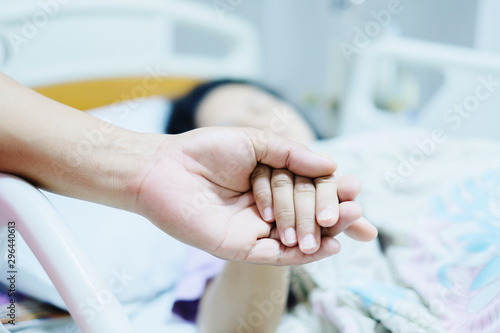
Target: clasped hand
[(249, 195)]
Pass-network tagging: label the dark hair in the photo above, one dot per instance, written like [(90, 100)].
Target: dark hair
[(182, 117)]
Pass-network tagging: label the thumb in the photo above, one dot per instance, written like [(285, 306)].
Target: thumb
[(278, 152)]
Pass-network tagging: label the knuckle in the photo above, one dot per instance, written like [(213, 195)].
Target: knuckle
[(260, 171), (306, 221), (326, 180), (281, 180), (262, 196), (285, 215), (305, 188)]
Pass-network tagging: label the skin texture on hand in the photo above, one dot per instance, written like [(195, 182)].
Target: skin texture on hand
[(303, 208), (67, 151), (294, 199), (198, 190), (194, 186)]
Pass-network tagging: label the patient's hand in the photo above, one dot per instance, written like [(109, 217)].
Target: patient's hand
[(306, 209), (197, 188)]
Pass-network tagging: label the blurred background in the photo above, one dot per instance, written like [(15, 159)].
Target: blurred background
[(350, 65), (302, 55)]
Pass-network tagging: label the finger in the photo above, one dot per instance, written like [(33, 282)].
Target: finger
[(349, 212), (308, 231), (261, 187), (278, 152), (349, 188), (327, 201), (362, 230), (273, 252), (274, 233), (284, 212)]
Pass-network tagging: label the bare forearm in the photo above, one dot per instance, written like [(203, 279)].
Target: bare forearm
[(65, 150), (245, 295)]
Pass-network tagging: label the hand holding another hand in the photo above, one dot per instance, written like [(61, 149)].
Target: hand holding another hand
[(197, 187), (307, 210)]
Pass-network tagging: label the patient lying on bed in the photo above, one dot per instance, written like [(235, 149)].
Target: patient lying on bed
[(252, 298), (146, 276)]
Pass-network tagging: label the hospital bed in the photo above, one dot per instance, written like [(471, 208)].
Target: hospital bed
[(101, 75), (460, 69), (88, 55)]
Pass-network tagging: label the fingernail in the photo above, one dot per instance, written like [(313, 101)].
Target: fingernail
[(290, 236), (309, 242), (268, 214), (326, 214)]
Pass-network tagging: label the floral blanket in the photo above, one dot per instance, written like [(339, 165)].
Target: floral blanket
[(436, 266)]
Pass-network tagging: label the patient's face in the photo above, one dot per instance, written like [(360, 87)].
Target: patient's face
[(248, 106)]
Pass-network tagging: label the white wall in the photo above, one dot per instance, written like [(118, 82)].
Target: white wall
[(300, 39), (488, 26)]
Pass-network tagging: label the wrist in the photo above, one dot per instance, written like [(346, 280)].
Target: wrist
[(136, 155), (256, 273)]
